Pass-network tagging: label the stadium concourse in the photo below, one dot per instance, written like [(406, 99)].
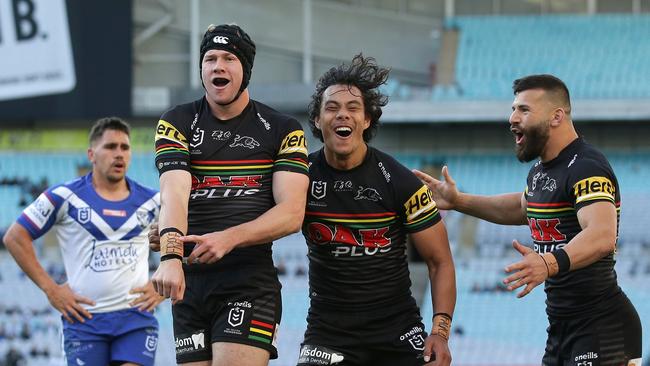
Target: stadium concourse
[(491, 326)]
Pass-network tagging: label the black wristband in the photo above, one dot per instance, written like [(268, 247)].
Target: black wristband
[(443, 314), (563, 261), (171, 256), (170, 230)]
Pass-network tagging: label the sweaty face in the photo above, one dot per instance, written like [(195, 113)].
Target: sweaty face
[(110, 156), (529, 123), (222, 74), (342, 120)]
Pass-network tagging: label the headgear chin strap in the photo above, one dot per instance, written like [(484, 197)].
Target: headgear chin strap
[(231, 38)]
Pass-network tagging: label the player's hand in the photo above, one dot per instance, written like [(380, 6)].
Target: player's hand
[(154, 238), (210, 247), (444, 192), (530, 271), (148, 299), (436, 351), (169, 280), (68, 303)]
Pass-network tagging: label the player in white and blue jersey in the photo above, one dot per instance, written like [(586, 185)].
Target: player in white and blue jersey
[(100, 221)]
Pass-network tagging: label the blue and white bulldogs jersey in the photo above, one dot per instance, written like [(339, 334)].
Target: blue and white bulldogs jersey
[(104, 243)]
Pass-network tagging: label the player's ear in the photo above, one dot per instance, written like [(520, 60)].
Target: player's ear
[(91, 154), (557, 116), (317, 122)]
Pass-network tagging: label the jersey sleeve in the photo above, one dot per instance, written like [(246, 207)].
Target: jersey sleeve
[(172, 147), (292, 154), (591, 181), (418, 207), (39, 217)]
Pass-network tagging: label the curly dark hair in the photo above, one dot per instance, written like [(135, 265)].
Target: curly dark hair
[(365, 74)]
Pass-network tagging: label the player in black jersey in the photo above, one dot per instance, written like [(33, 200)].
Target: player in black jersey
[(572, 205), (233, 177), (361, 207)]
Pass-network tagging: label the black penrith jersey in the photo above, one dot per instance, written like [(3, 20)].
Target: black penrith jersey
[(355, 225), (232, 163), (556, 190)]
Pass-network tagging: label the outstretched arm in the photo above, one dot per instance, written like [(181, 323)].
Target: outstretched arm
[(290, 194), (505, 209), (19, 244), (433, 246)]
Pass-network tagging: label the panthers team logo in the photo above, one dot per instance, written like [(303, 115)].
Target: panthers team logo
[(366, 193), (83, 215), (244, 141)]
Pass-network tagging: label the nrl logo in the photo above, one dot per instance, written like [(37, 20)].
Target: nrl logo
[(83, 215), (318, 189), (197, 138)]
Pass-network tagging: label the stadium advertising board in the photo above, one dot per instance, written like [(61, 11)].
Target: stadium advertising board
[(35, 47), (65, 59)]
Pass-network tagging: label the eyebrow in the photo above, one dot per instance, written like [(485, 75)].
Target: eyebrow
[(520, 106)]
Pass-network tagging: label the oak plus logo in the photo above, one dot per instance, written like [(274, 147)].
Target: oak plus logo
[(545, 230), (30, 29)]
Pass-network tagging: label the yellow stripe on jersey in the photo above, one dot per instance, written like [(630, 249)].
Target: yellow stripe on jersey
[(166, 130), (421, 201), (594, 188), (549, 210), (294, 143), (260, 331)]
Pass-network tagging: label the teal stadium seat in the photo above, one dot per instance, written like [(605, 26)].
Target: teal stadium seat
[(598, 56)]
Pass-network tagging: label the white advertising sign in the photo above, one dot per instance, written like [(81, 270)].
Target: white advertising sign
[(35, 50)]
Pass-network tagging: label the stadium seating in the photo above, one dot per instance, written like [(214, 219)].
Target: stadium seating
[(484, 314), (598, 56)]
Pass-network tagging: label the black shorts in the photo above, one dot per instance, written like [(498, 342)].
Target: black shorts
[(361, 338), (611, 339), (232, 307)]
